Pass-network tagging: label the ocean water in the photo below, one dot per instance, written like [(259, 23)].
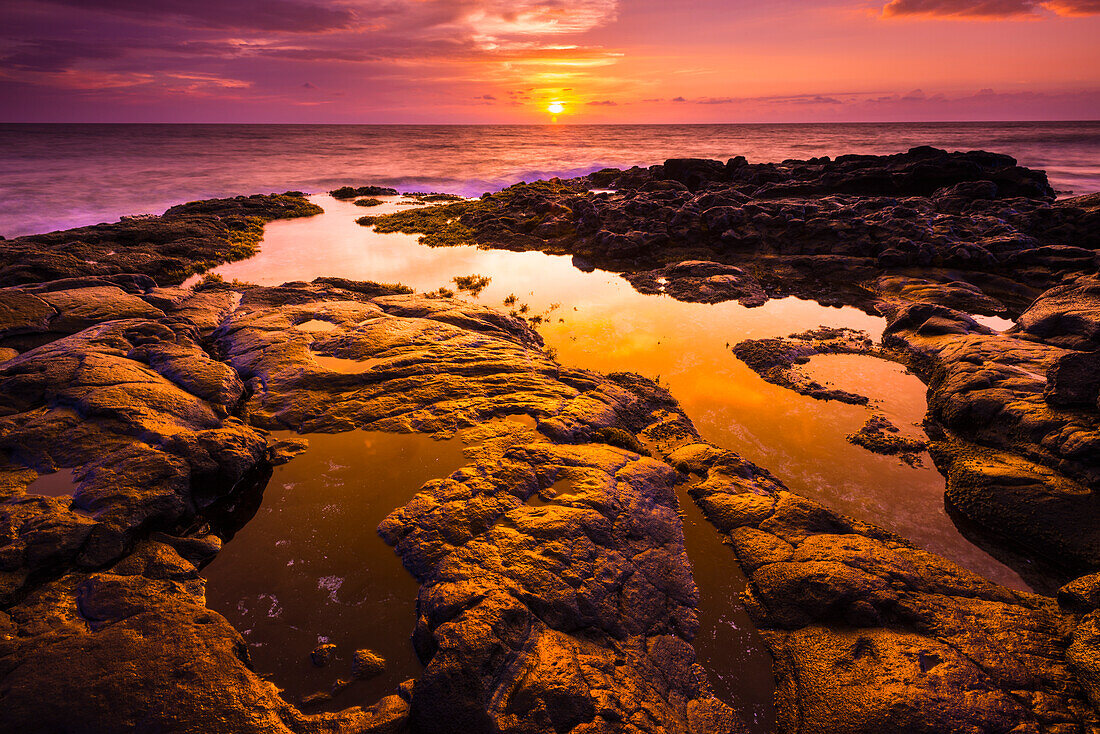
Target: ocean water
[(60, 176)]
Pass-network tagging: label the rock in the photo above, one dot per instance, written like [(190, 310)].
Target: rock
[(101, 649), (778, 360), (351, 192), (1082, 595), (880, 436), (322, 655), (1066, 316), (955, 294), (574, 613), (700, 282), (871, 634), (280, 452), (1017, 463), (1074, 380), (367, 664)]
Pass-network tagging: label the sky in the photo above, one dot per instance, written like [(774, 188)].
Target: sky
[(509, 61)]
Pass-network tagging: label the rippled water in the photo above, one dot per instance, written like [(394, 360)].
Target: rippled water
[(58, 176)]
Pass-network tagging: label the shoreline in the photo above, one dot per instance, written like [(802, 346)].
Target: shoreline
[(840, 602)]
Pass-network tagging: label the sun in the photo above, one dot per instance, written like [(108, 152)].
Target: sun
[(555, 108)]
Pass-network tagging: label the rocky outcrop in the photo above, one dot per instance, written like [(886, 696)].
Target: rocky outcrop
[(102, 611), (871, 634), (824, 229), (779, 360), (101, 590), (573, 614), (186, 239), (1066, 316), (1020, 457)]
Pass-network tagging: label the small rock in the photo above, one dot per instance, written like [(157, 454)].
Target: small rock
[(367, 664), (322, 654)]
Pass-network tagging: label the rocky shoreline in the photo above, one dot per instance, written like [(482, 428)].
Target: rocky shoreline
[(575, 611)]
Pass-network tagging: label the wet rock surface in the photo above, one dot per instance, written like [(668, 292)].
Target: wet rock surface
[(870, 634), (881, 436)]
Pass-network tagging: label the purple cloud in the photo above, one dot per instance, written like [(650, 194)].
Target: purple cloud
[(987, 9), (268, 15)]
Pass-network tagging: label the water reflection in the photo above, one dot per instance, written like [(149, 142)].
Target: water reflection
[(602, 323), (727, 645), (309, 568), (60, 483)]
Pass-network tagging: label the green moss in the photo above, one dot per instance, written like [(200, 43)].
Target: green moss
[(473, 284), (438, 226), (368, 202), (244, 238)]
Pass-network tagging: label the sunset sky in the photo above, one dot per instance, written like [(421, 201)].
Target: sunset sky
[(507, 61)]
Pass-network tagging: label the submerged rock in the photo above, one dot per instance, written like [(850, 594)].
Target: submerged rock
[(880, 436), (367, 663), (322, 654)]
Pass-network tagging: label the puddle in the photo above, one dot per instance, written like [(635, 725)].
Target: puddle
[(61, 483), (727, 645), (310, 568), (882, 489), (346, 366), (316, 326), (997, 323), (556, 492)]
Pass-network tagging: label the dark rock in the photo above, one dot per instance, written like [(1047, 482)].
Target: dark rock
[(1074, 380), (322, 655), (880, 436), (352, 192), (1066, 316), (1082, 595), (186, 239), (367, 664)]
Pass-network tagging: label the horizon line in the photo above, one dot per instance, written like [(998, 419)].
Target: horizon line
[(567, 124)]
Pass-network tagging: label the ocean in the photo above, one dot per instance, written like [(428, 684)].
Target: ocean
[(61, 176)]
